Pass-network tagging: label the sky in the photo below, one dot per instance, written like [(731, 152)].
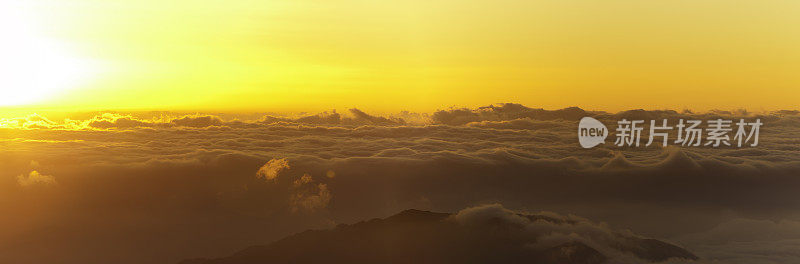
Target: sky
[(400, 55), (211, 121)]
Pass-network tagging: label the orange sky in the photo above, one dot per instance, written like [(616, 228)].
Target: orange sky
[(400, 55)]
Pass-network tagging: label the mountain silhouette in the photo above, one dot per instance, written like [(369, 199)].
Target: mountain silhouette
[(415, 236)]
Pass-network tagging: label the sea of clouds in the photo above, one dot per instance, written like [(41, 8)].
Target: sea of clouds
[(139, 188)]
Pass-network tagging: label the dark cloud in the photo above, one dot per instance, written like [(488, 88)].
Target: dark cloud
[(508, 111), (357, 117), (375, 120), (197, 121)]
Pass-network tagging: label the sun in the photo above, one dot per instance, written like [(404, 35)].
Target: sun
[(34, 67)]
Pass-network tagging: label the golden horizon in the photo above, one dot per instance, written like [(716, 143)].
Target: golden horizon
[(418, 56)]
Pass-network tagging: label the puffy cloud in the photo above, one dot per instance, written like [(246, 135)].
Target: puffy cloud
[(305, 194), (548, 230), (35, 178), (270, 170), (310, 199), (32, 121), (306, 179), (108, 120), (482, 214), (115, 121)]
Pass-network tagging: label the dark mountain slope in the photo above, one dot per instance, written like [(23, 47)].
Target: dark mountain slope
[(414, 236)]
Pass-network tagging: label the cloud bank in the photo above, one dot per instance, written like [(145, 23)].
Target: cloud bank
[(218, 184)]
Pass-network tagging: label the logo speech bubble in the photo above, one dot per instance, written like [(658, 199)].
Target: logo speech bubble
[(591, 132)]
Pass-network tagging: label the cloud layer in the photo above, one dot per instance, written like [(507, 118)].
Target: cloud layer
[(219, 183)]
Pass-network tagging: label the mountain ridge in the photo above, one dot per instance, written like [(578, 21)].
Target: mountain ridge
[(417, 236)]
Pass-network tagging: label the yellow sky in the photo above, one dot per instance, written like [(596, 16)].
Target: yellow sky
[(417, 55)]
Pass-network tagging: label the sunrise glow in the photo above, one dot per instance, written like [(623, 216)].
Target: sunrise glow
[(407, 55), (34, 67), (399, 131)]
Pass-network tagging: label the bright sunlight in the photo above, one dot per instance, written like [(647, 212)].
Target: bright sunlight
[(33, 67)]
